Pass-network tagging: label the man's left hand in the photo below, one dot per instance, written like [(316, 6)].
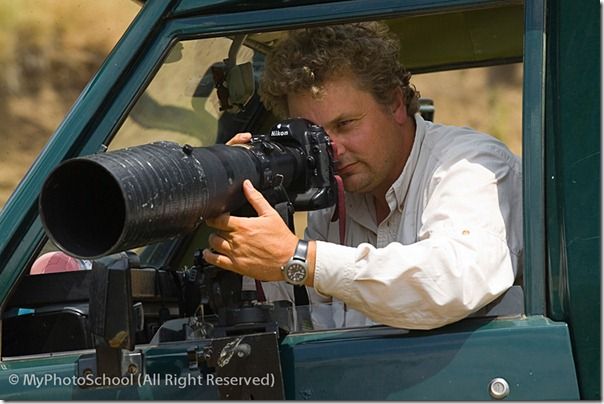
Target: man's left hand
[(253, 246)]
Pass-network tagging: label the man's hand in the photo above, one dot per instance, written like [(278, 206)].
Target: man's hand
[(256, 246), (240, 138)]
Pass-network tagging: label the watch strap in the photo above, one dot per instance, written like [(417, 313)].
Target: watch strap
[(301, 251), (300, 292)]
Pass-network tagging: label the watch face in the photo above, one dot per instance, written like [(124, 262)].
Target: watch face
[(296, 272)]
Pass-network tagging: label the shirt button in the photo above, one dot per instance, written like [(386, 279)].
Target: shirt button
[(466, 232)]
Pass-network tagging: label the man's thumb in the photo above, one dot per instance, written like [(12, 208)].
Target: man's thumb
[(256, 199)]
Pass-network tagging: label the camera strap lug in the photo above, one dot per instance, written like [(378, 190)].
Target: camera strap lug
[(285, 208)]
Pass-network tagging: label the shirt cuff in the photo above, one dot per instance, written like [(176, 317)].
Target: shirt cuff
[(334, 270)]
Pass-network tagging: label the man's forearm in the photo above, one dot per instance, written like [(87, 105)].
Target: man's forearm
[(311, 260)]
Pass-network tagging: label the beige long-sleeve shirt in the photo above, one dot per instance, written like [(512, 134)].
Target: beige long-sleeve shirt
[(451, 244)]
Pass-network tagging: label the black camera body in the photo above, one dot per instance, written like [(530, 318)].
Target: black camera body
[(96, 205), (314, 185)]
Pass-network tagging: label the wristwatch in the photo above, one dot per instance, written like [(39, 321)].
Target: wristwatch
[(295, 271)]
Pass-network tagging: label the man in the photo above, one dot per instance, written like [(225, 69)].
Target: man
[(434, 213)]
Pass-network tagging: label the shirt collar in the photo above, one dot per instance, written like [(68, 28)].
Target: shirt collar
[(361, 208), (397, 193)]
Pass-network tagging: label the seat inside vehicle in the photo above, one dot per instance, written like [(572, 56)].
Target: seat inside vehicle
[(52, 310)]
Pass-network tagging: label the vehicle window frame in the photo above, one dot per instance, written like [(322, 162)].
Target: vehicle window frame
[(533, 163)]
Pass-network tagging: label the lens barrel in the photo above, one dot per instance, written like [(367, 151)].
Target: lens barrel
[(96, 205)]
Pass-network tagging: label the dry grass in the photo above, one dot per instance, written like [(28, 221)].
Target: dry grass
[(486, 99), (49, 49)]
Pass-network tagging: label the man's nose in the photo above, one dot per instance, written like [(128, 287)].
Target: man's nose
[(337, 147)]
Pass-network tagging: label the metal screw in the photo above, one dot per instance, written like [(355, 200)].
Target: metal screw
[(499, 388), (132, 369), (243, 350), (207, 353)]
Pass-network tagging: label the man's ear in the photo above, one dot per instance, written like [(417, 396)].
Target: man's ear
[(398, 107)]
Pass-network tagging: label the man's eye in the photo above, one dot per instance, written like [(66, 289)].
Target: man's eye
[(345, 123)]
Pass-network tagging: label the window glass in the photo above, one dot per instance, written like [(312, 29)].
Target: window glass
[(180, 104)]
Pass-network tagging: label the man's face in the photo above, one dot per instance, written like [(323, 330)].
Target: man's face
[(368, 137)]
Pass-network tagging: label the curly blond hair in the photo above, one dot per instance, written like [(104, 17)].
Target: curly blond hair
[(307, 58)]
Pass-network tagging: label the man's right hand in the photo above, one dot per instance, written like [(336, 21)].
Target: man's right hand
[(240, 138)]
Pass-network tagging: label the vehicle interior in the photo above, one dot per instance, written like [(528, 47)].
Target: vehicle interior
[(203, 92)]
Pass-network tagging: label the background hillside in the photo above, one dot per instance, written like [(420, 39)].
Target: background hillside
[(49, 49)]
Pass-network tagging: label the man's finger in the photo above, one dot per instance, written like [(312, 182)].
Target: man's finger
[(218, 243), (256, 199), (221, 222), (219, 260), (240, 138)]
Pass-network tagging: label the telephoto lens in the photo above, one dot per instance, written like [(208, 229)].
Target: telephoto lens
[(96, 205)]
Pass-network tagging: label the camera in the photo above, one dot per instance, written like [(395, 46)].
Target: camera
[(96, 205)]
